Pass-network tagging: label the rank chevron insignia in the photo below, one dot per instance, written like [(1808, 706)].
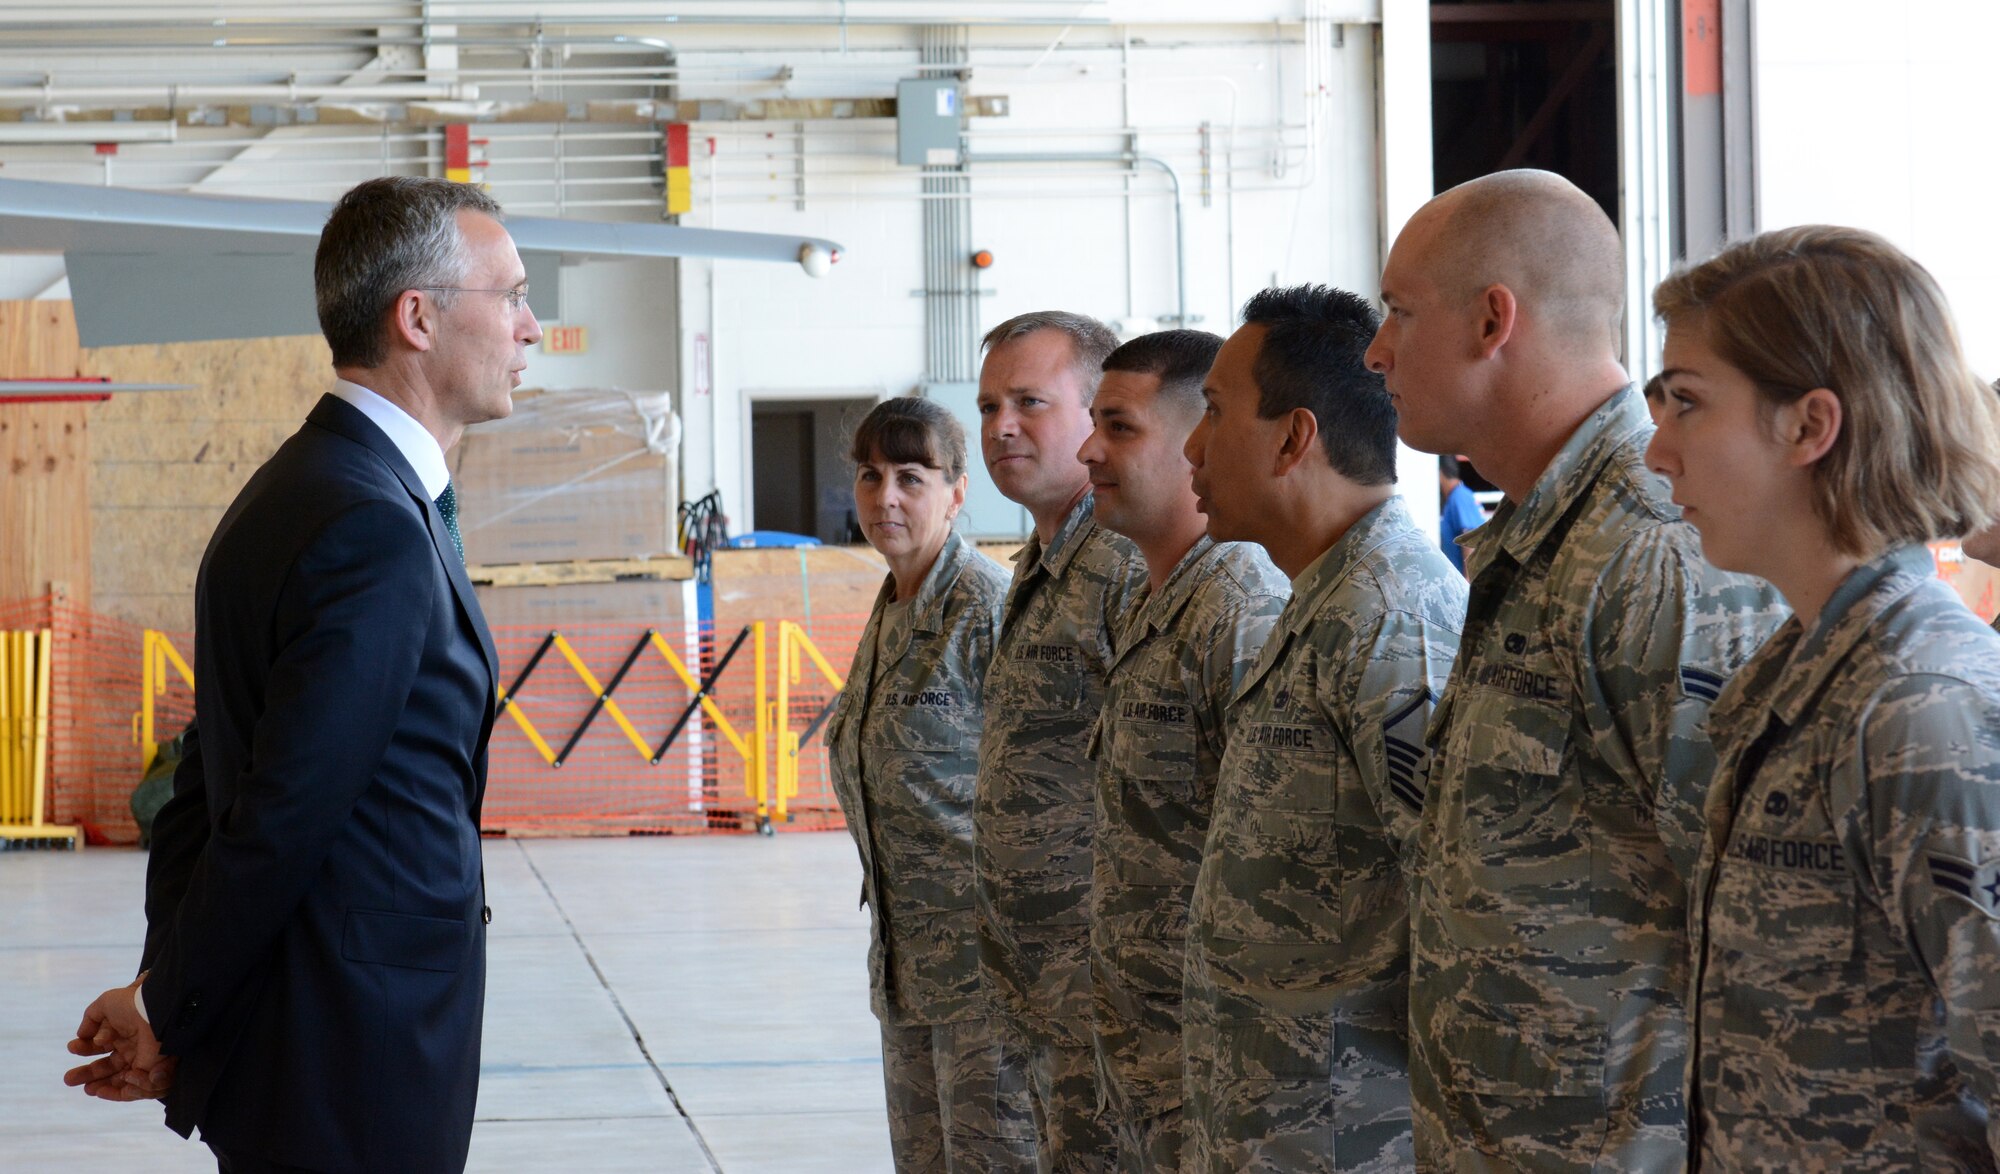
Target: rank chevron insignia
[(1977, 884)]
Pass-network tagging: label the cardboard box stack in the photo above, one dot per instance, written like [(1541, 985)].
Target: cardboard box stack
[(571, 476)]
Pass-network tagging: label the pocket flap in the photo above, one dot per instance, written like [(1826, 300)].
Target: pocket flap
[(405, 939), (1275, 1049), (1535, 1056)]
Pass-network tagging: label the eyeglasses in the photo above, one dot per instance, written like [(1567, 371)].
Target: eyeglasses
[(516, 297)]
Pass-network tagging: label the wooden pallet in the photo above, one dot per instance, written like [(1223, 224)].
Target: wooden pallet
[(596, 570)]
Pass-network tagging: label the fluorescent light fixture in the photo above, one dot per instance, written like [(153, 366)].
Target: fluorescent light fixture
[(87, 132)]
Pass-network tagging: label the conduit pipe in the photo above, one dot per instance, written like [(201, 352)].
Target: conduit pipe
[(1128, 159), (173, 94), (569, 20)]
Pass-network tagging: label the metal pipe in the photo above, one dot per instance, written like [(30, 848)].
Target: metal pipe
[(679, 20), (172, 93), (1129, 158), (196, 40)]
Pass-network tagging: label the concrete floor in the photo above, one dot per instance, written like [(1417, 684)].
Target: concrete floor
[(660, 1004)]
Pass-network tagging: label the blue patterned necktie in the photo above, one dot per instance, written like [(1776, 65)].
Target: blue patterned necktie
[(447, 504)]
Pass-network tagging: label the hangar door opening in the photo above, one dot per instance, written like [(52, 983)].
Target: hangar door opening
[(801, 481), (1641, 103)]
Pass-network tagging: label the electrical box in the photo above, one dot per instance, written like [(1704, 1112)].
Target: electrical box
[(929, 115)]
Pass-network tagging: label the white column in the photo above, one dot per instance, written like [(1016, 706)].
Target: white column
[(1405, 95), (1645, 197)]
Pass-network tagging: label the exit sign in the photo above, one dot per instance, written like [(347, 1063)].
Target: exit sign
[(565, 340)]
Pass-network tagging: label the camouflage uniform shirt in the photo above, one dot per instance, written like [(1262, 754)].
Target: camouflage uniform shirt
[(1298, 946), (1847, 1004), (1159, 746), (903, 741), (1549, 925), (1035, 808)]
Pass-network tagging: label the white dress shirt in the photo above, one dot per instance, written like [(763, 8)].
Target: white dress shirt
[(418, 447), (411, 439)]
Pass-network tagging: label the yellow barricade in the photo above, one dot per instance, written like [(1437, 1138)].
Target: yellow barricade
[(25, 693), (156, 654), (793, 646), (159, 659)]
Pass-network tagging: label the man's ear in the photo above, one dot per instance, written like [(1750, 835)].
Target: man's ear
[(1810, 425), (413, 320), (1497, 311), (1300, 438)]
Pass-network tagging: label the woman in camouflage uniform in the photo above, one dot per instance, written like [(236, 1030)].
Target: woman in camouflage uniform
[(1819, 424), (904, 743)]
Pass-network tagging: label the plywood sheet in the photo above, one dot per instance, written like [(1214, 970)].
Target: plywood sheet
[(38, 341), (165, 465), (44, 500), (800, 584), (44, 459)]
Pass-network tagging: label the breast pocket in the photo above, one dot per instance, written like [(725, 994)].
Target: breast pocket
[(1284, 762), (1518, 828), (1535, 1054), (1040, 678), (1154, 738), (1276, 876), (1784, 966), (918, 722), (1155, 831)]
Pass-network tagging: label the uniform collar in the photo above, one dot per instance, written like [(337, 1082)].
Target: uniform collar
[(411, 439), (1321, 578), (1068, 541), (1521, 529), (927, 605), (1160, 609), (1325, 574), (927, 614), (1792, 668)]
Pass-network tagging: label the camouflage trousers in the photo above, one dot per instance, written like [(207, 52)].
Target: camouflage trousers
[(958, 1099), (1062, 1082), (1258, 1100)]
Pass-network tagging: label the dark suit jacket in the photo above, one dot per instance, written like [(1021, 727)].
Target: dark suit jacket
[(316, 938)]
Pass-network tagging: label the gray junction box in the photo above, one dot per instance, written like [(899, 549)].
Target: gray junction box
[(928, 119)]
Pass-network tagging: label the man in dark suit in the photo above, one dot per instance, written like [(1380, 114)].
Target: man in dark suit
[(316, 955)]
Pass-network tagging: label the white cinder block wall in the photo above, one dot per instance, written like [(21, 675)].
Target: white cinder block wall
[(1882, 116), (1296, 198)]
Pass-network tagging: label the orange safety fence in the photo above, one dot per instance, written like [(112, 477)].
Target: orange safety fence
[(750, 756), (94, 760), (707, 780), (121, 689)]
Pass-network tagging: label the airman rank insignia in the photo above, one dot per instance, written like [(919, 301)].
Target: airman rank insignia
[(1405, 750), (1976, 884)]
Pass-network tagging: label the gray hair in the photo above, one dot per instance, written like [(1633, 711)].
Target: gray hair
[(1090, 341), (385, 236)]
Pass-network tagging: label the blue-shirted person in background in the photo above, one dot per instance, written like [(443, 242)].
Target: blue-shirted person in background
[(1461, 510)]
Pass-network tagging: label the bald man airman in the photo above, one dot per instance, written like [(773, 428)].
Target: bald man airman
[(1548, 920)]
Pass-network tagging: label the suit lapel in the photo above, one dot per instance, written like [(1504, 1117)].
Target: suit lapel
[(338, 415)]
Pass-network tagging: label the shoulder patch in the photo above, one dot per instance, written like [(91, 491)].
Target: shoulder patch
[(1976, 884), (1408, 760), (1700, 683)]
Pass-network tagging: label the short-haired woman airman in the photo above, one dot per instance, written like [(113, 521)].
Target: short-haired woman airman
[(1819, 425)]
